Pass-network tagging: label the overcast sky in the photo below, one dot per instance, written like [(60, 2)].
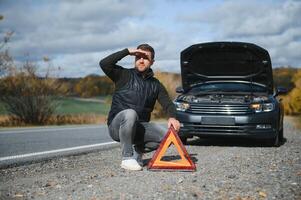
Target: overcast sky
[(76, 34)]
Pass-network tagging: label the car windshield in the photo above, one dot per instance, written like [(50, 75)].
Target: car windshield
[(227, 87)]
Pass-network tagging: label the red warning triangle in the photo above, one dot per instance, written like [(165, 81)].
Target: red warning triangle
[(185, 164)]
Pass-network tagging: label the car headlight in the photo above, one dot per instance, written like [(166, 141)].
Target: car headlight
[(181, 106), (262, 107)]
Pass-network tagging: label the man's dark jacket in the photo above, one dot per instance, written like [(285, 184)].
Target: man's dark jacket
[(134, 90)]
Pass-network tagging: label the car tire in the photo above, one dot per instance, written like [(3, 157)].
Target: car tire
[(183, 139), (281, 137), (275, 142)]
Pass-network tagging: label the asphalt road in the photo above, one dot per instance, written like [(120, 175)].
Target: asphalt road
[(225, 169), (27, 144), (23, 145)]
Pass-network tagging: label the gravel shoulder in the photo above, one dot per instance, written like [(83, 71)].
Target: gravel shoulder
[(226, 169)]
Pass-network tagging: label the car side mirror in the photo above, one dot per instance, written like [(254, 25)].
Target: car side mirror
[(179, 89), (280, 90)]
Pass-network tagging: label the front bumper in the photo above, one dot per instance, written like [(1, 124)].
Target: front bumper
[(257, 125)]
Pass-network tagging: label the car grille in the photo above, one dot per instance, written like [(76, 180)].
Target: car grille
[(203, 128), (219, 109)]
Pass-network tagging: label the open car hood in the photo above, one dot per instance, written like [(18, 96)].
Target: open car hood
[(226, 61)]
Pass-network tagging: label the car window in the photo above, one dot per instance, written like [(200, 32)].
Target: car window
[(227, 87)]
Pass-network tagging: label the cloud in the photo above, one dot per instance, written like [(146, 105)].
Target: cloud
[(69, 26), (273, 25), (241, 18), (75, 35)]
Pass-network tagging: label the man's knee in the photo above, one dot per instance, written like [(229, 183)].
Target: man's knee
[(130, 114)]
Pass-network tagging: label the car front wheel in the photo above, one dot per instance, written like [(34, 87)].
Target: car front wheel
[(276, 141), (281, 137), (183, 139)]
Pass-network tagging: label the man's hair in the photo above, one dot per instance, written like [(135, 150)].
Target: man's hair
[(147, 47)]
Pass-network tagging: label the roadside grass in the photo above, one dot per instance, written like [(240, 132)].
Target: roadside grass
[(68, 105), (7, 121), (69, 111), (77, 106)]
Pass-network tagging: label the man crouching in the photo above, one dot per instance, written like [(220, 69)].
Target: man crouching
[(134, 98)]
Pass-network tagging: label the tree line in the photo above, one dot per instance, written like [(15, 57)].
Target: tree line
[(290, 78), (30, 97)]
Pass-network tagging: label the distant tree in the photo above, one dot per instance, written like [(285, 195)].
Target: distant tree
[(171, 81), (25, 95), (292, 101), (28, 97), (6, 61), (283, 77), (296, 93), (93, 85)]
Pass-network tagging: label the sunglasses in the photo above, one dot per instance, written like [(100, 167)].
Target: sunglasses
[(145, 57)]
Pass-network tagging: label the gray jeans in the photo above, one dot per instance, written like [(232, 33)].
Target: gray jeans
[(126, 129)]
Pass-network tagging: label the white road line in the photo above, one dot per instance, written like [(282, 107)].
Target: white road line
[(54, 151), (50, 129)]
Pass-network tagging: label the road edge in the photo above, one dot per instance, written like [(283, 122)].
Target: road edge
[(14, 162)]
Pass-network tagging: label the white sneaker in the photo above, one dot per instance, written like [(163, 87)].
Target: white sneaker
[(138, 156), (130, 164)]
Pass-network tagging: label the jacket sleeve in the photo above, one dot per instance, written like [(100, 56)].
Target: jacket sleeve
[(166, 102), (109, 66)]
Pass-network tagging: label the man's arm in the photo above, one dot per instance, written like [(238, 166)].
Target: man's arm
[(109, 66), (169, 107)]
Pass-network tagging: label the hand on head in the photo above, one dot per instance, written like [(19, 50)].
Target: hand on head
[(140, 53)]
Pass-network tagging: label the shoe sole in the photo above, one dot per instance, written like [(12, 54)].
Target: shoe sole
[(132, 169)]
